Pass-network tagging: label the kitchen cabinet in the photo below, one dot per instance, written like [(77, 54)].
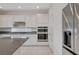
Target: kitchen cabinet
[(19, 18), (42, 19), (6, 20), (37, 20), (31, 21), (33, 40)]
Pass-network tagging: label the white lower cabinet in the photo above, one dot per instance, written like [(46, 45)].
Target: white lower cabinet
[(33, 40), (18, 36), (6, 20)]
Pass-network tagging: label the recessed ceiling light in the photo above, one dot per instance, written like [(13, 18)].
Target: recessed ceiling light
[(19, 7), (37, 6)]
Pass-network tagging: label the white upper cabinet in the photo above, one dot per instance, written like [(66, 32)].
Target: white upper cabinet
[(20, 18), (31, 20), (37, 20), (6, 20), (27, 21), (42, 19)]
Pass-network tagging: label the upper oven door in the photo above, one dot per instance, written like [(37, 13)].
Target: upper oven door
[(42, 30)]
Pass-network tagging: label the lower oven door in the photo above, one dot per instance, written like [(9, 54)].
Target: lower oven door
[(42, 37)]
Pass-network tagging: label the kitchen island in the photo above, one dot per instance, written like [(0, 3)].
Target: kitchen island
[(9, 45)]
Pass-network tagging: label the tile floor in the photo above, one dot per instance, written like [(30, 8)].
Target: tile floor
[(33, 50)]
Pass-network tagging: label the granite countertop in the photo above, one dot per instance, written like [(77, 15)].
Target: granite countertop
[(8, 46)]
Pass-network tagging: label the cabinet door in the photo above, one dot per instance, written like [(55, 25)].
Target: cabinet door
[(76, 28), (27, 20), (42, 19), (6, 21), (30, 21), (1, 21), (19, 17), (33, 21), (32, 40)]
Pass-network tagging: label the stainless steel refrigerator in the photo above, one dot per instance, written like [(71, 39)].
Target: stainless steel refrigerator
[(70, 16)]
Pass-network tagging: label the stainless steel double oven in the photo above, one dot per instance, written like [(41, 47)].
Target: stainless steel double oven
[(42, 34)]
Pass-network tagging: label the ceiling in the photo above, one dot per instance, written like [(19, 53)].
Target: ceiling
[(24, 6)]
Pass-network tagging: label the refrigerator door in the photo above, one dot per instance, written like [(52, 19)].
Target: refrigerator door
[(68, 23), (76, 28)]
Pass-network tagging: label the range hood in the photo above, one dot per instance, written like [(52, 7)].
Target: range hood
[(19, 24)]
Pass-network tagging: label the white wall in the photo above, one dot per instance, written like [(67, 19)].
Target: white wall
[(55, 28)]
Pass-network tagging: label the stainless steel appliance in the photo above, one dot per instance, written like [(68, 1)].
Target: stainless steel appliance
[(76, 28), (42, 34), (71, 27), (68, 26)]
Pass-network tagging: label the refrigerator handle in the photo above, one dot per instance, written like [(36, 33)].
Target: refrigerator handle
[(75, 33)]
